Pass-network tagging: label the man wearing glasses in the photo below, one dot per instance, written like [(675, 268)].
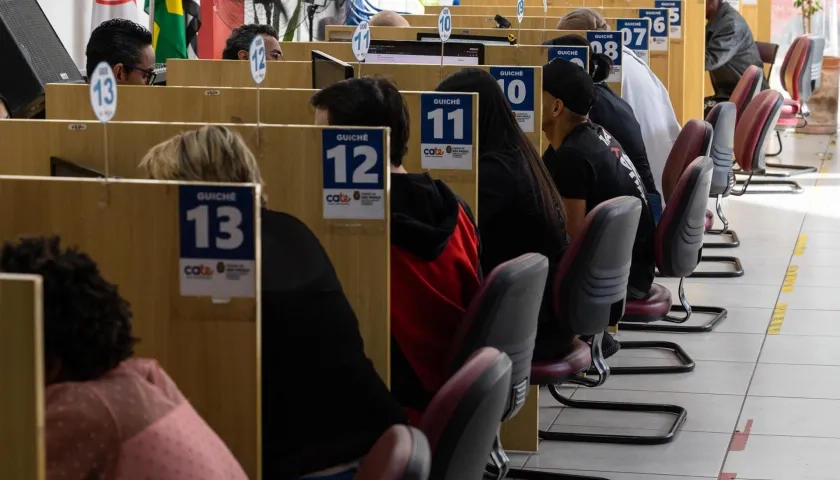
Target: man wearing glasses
[(239, 42), (127, 47)]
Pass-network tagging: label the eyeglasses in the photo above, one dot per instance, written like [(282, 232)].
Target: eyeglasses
[(149, 73), (275, 55)]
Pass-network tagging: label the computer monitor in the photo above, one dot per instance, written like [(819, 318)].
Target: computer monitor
[(63, 168), (327, 70), (424, 53), (463, 38)]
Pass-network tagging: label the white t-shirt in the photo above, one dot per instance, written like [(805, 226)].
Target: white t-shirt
[(653, 110)]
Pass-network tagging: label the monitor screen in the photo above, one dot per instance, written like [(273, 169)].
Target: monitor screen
[(327, 70), (63, 168), (424, 53), (462, 38)]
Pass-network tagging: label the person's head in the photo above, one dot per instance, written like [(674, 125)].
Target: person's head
[(212, 153), (499, 132), (127, 47), (366, 102), (568, 95), (387, 18), (712, 7), (239, 42), (582, 19), (87, 324), (599, 63)]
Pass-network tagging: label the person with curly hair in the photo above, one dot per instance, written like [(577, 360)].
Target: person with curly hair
[(108, 415), (239, 42)]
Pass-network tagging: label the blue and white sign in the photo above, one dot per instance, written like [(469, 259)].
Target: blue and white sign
[(446, 131), (256, 57), (635, 35), (520, 10), (658, 28), (517, 83), (674, 16), (608, 43), (354, 183), (360, 42), (217, 255), (103, 92), (444, 24), (575, 54)]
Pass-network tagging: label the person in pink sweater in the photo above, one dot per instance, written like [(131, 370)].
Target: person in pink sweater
[(108, 416)]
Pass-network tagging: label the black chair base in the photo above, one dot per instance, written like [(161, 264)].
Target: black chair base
[(789, 170), (719, 313), (679, 412), (785, 187), (734, 241), (737, 268), (686, 362), (544, 475), (778, 139)]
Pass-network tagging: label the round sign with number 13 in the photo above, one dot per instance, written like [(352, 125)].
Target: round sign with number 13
[(103, 92)]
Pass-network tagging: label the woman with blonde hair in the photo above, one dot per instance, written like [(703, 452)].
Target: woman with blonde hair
[(311, 347)]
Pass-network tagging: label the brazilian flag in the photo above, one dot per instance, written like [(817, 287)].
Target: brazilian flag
[(170, 36)]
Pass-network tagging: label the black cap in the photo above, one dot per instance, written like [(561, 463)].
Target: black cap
[(570, 84)]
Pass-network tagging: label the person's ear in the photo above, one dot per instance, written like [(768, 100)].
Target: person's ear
[(242, 55), (557, 108), (120, 72)]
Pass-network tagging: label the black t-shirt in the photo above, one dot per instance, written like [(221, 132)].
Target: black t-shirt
[(590, 165)]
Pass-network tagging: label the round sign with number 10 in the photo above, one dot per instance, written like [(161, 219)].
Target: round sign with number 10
[(444, 24)]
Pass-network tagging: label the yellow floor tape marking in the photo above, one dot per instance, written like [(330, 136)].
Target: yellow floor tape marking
[(790, 279), (777, 319), (801, 243)]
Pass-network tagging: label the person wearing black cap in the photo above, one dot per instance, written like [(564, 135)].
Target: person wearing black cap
[(589, 166)]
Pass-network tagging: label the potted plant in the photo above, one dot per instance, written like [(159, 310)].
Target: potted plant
[(808, 8)]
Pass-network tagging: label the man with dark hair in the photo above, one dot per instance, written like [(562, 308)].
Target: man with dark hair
[(239, 42), (127, 47), (435, 269)]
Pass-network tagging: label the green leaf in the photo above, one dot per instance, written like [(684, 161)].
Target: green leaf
[(292, 25)]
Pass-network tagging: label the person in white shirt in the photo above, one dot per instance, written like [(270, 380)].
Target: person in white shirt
[(642, 90)]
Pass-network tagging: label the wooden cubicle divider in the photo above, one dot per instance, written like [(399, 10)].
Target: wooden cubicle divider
[(236, 73), (239, 105), (130, 228), (22, 377)]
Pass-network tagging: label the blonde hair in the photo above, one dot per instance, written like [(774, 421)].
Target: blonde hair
[(582, 19), (212, 153)]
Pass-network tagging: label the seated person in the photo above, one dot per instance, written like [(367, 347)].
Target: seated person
[(103, 408), (642, 90), (4, 112), (387, 18), (730, 50), (239, 42), (435, 270), (615, 115), (127, 47), (589, 166), (314, 368)]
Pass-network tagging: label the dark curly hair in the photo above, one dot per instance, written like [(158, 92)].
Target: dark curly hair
[(242, 36), (116, 41), (87, 324)]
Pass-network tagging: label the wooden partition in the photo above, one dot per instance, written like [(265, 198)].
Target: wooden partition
[(236, 73), (21, 378), (239, 105)]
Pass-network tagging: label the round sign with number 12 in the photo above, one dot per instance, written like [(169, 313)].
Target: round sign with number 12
[(256, 56), (520, 10), (444, 24), (103, 92)]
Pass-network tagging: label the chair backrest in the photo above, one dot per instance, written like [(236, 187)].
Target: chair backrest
[(767, 51), (795, 71), (816, 61), (722, 118), (463, 418), (590, 284), (758, 121), (401, 453), (679, 234), (747, 88), (694, 140), (504, 315)]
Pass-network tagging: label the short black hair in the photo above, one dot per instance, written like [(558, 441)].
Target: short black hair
[(368, 102), (87, 324), (241, 38), (116, 41)]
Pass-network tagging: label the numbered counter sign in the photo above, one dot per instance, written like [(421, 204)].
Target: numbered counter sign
[(444, 24), (103, 92), (658, 28), (574, 54), (635, 35), (674, 15), (446, 131), (361, 41), (520, 10), (517, 83), (256, 55), (608, 43), (354, 187), (216, 226)]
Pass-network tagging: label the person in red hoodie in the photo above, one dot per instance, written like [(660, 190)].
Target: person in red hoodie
[(435, 268)]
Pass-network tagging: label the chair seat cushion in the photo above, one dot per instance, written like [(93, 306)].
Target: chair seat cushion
[(788, 120), (654, 307), (790, 107), (553, 372), (710, 219)]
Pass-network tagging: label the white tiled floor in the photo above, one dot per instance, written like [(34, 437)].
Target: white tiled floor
[(784, 382)]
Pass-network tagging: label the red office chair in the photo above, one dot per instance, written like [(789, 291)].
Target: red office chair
[(753, 128), (747, 88), (401, 453)]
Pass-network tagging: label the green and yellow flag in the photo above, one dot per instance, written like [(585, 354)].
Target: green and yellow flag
[(170, 36)]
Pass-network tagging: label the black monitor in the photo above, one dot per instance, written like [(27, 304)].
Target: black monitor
[(63, 168), (424, 53), (463, 38), (327, 70)]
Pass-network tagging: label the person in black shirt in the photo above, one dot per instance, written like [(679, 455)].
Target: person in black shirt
[(617, 117), (519, 208)]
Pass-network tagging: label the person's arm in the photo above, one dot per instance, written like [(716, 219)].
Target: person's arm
[(575, 178), (722, 46), (575, 215)]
